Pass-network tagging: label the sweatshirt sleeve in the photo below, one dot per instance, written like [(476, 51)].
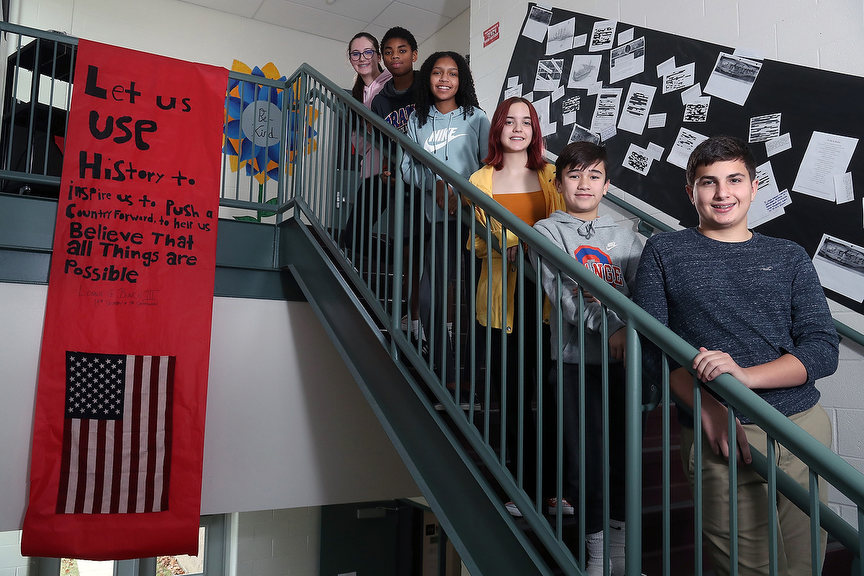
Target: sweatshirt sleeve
[(629, 265), (569, 303), (815, 339), (407, 164), (649, 292), (483, 137)]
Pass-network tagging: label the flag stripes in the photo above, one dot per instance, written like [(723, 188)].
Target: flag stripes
[(117, 434)]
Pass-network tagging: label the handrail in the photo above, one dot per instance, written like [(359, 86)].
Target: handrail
[(36, 33), (540, 527)]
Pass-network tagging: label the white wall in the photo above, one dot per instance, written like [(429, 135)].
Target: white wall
[(186, 31), (286, 424), (454, 37), (825, 34), (281, 432)]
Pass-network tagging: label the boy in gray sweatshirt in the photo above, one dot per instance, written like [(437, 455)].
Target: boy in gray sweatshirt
[(612, 252)]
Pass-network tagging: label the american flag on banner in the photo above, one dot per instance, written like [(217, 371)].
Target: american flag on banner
[(116, 434)]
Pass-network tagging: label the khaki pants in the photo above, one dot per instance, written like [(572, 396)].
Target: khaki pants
[(793, 534)]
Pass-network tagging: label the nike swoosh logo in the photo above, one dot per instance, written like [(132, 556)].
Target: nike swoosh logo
[(434, 147)]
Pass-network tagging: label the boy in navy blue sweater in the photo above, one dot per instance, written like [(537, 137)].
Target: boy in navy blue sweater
[(754, 308)]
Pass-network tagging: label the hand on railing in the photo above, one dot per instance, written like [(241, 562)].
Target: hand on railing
[(386, 176), (586, 296), (618, 344), (444, 195), (512, 253), (784, 372), (714, 416), (709, 364)]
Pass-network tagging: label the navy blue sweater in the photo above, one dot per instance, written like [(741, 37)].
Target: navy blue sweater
[(755, 300)]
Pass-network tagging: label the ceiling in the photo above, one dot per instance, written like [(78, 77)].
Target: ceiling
[(341, 19)]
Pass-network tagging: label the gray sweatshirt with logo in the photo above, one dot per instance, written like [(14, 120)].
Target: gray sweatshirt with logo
[(460, 142), (606, 248)]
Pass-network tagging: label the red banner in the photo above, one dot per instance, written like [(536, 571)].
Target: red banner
[(119, 426)]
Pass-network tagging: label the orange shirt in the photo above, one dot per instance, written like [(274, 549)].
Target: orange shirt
[(528, 207)]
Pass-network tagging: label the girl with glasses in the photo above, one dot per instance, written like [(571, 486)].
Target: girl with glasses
[(365, 57)]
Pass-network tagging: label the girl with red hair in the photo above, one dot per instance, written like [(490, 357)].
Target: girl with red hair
[(518, 177)]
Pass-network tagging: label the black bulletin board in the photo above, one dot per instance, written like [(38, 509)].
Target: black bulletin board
[(808, 100)]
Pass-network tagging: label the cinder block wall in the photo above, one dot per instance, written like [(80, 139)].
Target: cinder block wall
[(11, 561), (278, 542)]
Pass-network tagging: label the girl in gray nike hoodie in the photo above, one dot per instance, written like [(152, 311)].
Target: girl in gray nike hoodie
[(448, 123)]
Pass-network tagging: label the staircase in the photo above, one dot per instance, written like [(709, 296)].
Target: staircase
[(457, 489), (452, 455)]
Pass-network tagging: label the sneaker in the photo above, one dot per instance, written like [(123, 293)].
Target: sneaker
[(416, 329), (566, 507), (513, 510)]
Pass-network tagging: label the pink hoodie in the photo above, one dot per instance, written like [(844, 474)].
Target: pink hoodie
[(371, 157)]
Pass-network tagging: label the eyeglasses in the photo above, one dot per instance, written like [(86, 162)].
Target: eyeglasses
[(366, 54)]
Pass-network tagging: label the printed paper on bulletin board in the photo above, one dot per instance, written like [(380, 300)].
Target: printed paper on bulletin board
[(644, 90)]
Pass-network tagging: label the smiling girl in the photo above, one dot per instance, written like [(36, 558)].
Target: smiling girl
[(448, 123), (518, 177), (365, 58)]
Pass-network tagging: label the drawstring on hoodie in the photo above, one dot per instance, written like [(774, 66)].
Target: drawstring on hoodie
[(447, 134), (586, 229), (447, 141)]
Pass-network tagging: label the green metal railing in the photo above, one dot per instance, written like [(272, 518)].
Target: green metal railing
[(36, 95), (392, 252), (379, 279), (422, 246)]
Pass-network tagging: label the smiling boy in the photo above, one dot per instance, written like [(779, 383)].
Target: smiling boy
[(395, 102), (754, 308), (611, 252)]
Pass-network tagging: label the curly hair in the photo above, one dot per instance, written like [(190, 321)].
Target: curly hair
[(495, 157), (357, 89), (466, 97)]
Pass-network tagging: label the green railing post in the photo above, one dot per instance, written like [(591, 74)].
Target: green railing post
[(398, 252), (733, 491), (633, 453), (770, 453), (298, 119)]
